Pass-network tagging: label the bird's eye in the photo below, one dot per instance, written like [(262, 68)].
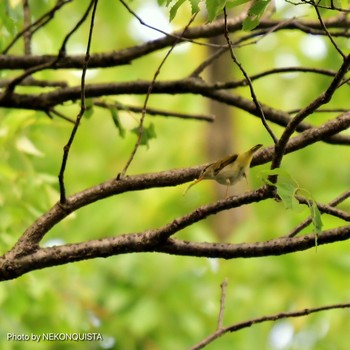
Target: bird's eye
[(205, 169)]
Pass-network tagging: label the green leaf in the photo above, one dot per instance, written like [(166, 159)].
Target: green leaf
[(214, 8), (165, 3), (255, 13), (258, 8), (148, 133), (7, 172), (195, 6), (249, 24), (89, 108), (235, 3), (116, 121), (338, 3), (286, 191), (174, 9), (10, 15), (316, 217), (23, 144), (314, 211), (286, 186)]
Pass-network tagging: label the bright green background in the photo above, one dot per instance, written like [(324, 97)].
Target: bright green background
[(154, 301)]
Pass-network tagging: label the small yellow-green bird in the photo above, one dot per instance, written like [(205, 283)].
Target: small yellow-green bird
[(229, 170)]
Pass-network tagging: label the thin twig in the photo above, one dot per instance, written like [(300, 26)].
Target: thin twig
[(238, 326), (208, 61), (178, 38), (150, 88), (154, 111), (308, 221), (62, 51), (142, 22), (59, 114), (223, 287), (331, 7), (323, 110), (244, 82), (323, 98), (326, 209), (27, 35), (11, 86), (326, 30), (260, 33), (345, 81), (39, 23), (67, 147), (252, 92)]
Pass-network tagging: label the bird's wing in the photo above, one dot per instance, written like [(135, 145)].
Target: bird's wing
[(225, 163)]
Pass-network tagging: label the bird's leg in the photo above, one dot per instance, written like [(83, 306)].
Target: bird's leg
[(227, 186), (246, 178), (226, 192)]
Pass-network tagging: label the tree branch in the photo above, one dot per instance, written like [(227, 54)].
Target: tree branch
[(48, 100), (249, 82), (241, 325), (33, 27), (155, 111), (149, 91), (310, 108), (126, 56), (27, 35), (13, 265), (48, 65), (308, 221), (66, 149)]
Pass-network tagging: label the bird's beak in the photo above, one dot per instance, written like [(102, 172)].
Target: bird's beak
[(198, 180)]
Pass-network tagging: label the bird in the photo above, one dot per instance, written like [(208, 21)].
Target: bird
[(229, 170)]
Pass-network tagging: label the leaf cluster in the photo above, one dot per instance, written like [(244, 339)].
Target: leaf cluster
[(214, 9)]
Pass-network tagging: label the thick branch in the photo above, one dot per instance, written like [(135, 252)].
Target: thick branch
[(327, 132), (33, 235), (12, 267), (48, 100), (126, 56)]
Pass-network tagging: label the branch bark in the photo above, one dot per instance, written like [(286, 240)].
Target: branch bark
[(126, 56), (13, 266)]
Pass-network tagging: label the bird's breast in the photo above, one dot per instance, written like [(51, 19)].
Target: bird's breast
[(229, 175)]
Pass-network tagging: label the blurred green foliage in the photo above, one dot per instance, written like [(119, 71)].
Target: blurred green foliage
[(154, 301)]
